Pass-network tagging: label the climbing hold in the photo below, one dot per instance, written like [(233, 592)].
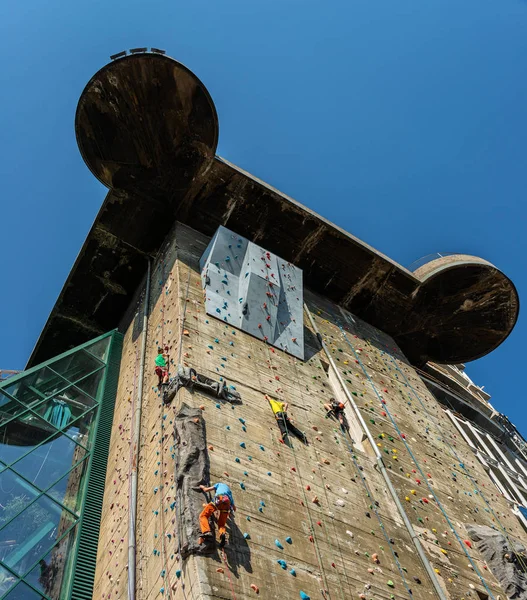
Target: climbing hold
[(242, 445), (288, 540), (278, 544), (292, 572), (282, 563), (178, 574), (304, 596), (220, 570), (390, 583), (246, 536), (255, 588)]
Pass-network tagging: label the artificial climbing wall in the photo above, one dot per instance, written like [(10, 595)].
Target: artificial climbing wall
[(312, 521)]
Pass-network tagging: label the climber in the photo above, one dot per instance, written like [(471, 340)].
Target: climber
[(161, 369), (284, 423), (222, 502), (336, 409)]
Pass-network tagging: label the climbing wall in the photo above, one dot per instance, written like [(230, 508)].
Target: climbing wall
[(254, 290), (313, 521)]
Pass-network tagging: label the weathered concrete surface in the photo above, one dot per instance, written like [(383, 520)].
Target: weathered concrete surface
[(506, 563), (192, 469), (427, 461), (147, 128)]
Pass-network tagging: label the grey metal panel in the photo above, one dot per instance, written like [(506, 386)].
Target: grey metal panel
[(254, 290)]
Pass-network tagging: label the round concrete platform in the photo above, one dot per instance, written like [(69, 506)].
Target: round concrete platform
[(464, 308), (146, 122)]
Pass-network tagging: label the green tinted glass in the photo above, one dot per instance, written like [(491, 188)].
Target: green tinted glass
[(22, 592), (68, 490), (7, 581), (100, 348), (9, 408), (15, 495), (32, 533), (76, 366), (48, 574), (36, 385)]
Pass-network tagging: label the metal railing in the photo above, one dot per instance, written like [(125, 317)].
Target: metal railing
[(428, 258)]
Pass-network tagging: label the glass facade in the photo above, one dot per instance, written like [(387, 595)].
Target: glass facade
[(48, 426)]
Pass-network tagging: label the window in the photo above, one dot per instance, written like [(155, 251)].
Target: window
[(48, 426)]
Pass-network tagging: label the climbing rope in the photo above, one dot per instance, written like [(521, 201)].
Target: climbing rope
[(402, 437), (344, 435), (130, 460), (224, 557), (311, 526), (335, 534), (455, 454)]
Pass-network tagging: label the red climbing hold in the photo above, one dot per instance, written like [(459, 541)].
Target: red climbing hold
[(468, 543)]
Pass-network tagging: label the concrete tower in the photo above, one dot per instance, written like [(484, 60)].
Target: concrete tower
[(418, 495)]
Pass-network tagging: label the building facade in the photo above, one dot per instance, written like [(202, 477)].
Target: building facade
[(418, 491)]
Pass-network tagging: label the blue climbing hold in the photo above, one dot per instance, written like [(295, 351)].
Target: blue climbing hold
[(242, 485), (237, 460), (292, 572), (304, 596), (282, 563), (288, 540), (242, 445), (178, 574), (278, 544), (246, 536)]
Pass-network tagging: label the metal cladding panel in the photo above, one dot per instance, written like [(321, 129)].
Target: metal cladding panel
[(254, 290)]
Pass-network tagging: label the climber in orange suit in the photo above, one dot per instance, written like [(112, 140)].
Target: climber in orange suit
[(222, 502)]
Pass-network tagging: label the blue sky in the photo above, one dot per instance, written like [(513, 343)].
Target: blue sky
[(403, 121)]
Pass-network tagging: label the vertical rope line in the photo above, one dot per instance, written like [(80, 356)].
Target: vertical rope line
[(328, 539), (313, 532), (456, 456), (374, 508), (462, 545)]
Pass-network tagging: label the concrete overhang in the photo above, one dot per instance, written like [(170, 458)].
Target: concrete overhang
[(147, 129)]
